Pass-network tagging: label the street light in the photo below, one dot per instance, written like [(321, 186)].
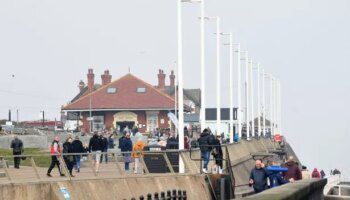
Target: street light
[(263, 102), (231, 84), (246, 88), (252, 96), (180, 78), (218, 108)]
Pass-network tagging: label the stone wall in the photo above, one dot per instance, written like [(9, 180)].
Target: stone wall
[(311, 189)]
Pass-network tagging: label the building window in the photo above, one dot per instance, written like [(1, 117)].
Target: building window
[(111, 90), (152, 122), (141, 90), (98, 123)]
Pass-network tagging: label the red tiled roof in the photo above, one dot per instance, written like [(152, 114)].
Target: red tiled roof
[(126, 97)]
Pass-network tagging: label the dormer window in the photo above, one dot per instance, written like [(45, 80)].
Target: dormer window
[(111, 90), (141, 90)]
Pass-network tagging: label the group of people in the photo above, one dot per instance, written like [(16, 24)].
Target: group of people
[(262, 178), (210, 145), (132, 152), (73, 150)]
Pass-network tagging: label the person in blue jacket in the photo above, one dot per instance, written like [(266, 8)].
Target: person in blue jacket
[(126, 146), (275, 175)]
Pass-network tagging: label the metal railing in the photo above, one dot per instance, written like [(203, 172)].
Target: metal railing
[(34, 167)]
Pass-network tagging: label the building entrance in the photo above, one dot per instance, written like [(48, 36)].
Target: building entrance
[(122, 125)]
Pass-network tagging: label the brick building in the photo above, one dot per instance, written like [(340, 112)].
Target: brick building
[(126, 102)]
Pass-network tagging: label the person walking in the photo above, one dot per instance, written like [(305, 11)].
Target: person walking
[(17, 149), (204, 145), (69, 159), (217, 154), (137, 154), (55, 151), (104, 142), (305, 173), (258, 177), (78, 149), (126, 146), (315, 173), (95, 147), (293, 172), (275, 174)]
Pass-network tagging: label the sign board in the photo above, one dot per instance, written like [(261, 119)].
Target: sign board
[(8, 123), (90, 118), (65, 193)]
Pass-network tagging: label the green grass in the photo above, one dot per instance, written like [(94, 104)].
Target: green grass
[(40, 161)]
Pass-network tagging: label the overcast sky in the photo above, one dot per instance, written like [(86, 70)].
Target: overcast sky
[(46, 47)]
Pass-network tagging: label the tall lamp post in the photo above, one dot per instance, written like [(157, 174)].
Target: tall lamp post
[(263, 102), (252, 97), (258, 99), (246, 88), (231, 85), (239, 107)]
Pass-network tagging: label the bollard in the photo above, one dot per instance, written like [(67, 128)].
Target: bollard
[(162, 196), (149, 196), (184, 195), (168, 196), (179, 195), (174, 195), (142, 198), (156, 196)]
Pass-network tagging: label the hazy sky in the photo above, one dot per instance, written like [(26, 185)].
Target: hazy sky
[(49, 45)]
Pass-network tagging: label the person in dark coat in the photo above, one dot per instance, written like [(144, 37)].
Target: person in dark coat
[(217, 153), (293, 173), (204, 143), (79, 149), (258, 177), (104, 142), (17, 149), (95, 147), (111, 142), (69, 159), (126, 146)]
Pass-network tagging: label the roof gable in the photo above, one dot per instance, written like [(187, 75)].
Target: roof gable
[(125, 97)]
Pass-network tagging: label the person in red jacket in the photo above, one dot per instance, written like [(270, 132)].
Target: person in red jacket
[(55, 150), (316, 174), (293, 173)]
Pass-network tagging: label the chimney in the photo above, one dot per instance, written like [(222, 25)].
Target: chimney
[(106, 78), (172, 79), (91, 81), (161, 79), (81, 85)]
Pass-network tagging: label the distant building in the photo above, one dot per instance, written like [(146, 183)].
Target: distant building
[(126, 102), (192, 120)]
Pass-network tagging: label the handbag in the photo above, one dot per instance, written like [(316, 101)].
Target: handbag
[(127, 159)]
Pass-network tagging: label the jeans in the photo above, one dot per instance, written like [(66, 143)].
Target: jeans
[(77, 161), (127, 166), (205, 157)]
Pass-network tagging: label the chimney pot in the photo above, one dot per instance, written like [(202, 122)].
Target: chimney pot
[(106, 78), (172, 79), (161, 79), (91, 80)]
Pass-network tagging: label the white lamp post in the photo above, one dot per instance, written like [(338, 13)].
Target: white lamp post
[(252, 97), (263, 102), (258, 99), (218, 97), (231, 85), (239, 107), (246, 88)]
